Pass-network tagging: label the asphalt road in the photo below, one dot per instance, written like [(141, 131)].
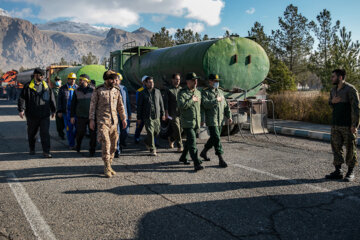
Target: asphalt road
[(273, 189)]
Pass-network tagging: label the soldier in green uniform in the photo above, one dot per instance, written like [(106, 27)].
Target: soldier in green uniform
[(214, 108), (172, 112), (344, 100), (188, 101), (60, 125)]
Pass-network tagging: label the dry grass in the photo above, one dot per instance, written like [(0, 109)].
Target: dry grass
[(309, 106)]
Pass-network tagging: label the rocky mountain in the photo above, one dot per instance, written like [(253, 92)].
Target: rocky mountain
[(73, 27), (24, 44)]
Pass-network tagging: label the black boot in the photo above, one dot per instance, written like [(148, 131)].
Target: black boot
[(222, 163), (203, 154), (198, 168), (350, 176), (184, 161), (337, 174)]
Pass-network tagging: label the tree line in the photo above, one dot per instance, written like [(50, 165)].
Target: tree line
[(293, 57)]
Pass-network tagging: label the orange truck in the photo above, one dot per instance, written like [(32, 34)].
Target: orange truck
[(8, 81)]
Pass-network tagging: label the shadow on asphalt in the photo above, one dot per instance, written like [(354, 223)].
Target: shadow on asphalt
[(326, 215), (164, 188), (297, 216), (65, 172)]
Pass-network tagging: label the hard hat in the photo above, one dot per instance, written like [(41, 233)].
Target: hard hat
[(120, 76), (71, 76), (144, 78), (85, 77)]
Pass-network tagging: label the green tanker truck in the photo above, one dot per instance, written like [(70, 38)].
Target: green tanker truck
[(95, 72), (241, 63)]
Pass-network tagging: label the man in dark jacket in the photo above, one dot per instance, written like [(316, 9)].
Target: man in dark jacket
[(36, 103), (172, 112), (59, 120), (66, 93), (80, 105), (150, 109)]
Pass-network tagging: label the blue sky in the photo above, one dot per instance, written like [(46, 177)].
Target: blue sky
[(210, 17)]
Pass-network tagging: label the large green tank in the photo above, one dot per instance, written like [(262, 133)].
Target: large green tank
[(95, 72), (240, 63)]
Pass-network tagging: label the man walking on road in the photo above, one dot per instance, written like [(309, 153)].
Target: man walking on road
[(59, 120), (123, 132), (80, 105), (105, 107), (172, 112), (37, 102), (189, 101), (344, 100), (66, 93), (149, 111), (214, 107), (140, 126)]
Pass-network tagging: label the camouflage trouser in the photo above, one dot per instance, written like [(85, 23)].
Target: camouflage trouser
[(108, 137), (342, 136)]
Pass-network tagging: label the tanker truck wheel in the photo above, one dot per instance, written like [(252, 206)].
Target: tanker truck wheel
[(233, 130)]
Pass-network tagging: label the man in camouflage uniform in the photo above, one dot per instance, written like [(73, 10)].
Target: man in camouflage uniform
[(344, 100), (106, 103), (172, 112), (214, 108), (189, 100)]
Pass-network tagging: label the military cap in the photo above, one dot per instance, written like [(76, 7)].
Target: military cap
[(191, 76), (214, 77)]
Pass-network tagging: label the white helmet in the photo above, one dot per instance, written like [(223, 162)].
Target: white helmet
[(144, 78)]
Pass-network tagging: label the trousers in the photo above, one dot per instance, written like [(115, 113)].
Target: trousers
[(214, 140), (341, 136), (190, 146), (108, 137), (33, 125)]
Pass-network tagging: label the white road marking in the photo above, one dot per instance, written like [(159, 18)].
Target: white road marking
[(40, 228), (316, 188)]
